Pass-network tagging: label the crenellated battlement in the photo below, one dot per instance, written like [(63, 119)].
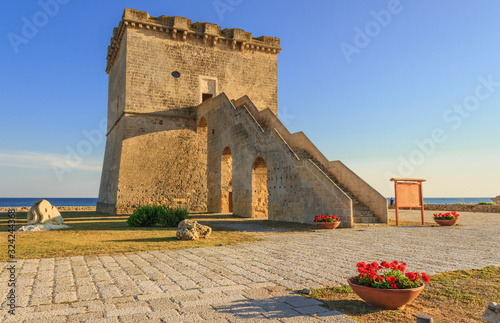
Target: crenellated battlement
[(182, 29)]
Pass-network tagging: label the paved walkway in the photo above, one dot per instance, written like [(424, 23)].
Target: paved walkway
[(247, 282)]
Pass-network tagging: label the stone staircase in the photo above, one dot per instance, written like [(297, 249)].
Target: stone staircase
[(362, 215)]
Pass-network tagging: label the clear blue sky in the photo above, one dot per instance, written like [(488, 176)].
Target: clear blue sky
[(390, 88)]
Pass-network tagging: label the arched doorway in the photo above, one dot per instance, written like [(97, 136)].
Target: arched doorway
[(226, 181), (260, 194)]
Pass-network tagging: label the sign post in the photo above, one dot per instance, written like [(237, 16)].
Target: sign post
[(408, 193)]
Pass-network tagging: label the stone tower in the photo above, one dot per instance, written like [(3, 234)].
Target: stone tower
[(192, 122), (159, 70)]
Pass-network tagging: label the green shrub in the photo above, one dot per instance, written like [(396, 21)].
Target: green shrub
[(180, 214), (146, 216), (172, 217), (137, 219), (486, 203)]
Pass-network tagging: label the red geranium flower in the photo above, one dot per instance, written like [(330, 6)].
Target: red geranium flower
[(389, 275), (390, 279)]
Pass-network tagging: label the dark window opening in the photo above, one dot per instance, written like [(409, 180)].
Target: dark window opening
[(206, 96), (176, 74)]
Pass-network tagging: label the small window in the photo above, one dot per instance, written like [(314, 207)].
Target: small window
[(206, 96), (208, 88), (176, 74)]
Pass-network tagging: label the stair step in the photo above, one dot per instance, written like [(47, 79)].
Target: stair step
[(366, 219), (362, 208), (368, 225), (363, 214), (302, 154)]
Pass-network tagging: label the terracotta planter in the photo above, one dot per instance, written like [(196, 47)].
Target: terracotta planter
[(328, 225), (446, 222), (389, 299)]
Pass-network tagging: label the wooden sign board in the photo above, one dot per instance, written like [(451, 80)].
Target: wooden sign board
[(408, 193)]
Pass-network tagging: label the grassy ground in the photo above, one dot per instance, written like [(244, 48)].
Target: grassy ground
[(93, 233), (457, 296)]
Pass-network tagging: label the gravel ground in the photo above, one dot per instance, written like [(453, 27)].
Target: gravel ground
[(465, 218), (244, 282)]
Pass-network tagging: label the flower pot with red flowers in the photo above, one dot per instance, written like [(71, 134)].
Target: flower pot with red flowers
[(327, 221), (446, 219), (387, 285)]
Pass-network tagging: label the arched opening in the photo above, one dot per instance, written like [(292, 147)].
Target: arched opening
[(226, 180), (202, 123), (260, 194)]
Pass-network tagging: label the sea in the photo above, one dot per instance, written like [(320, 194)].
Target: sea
[(22, 201), (65, 201), (454, 200)]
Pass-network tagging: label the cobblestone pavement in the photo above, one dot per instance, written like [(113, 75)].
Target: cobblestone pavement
[(246, 282)]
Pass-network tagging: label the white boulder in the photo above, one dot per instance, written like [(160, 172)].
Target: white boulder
[(42, 212)]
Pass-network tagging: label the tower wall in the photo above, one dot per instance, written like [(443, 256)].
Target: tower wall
[(161, 163), (155, 153), (152, 58), (108, 191)]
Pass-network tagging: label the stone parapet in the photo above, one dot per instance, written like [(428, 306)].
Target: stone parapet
[(182, 29), (461, 208), (60, 208), (375, 201)]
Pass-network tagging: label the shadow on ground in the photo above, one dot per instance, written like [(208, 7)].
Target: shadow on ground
[(95, 221), (288, 306), (232, 222)]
